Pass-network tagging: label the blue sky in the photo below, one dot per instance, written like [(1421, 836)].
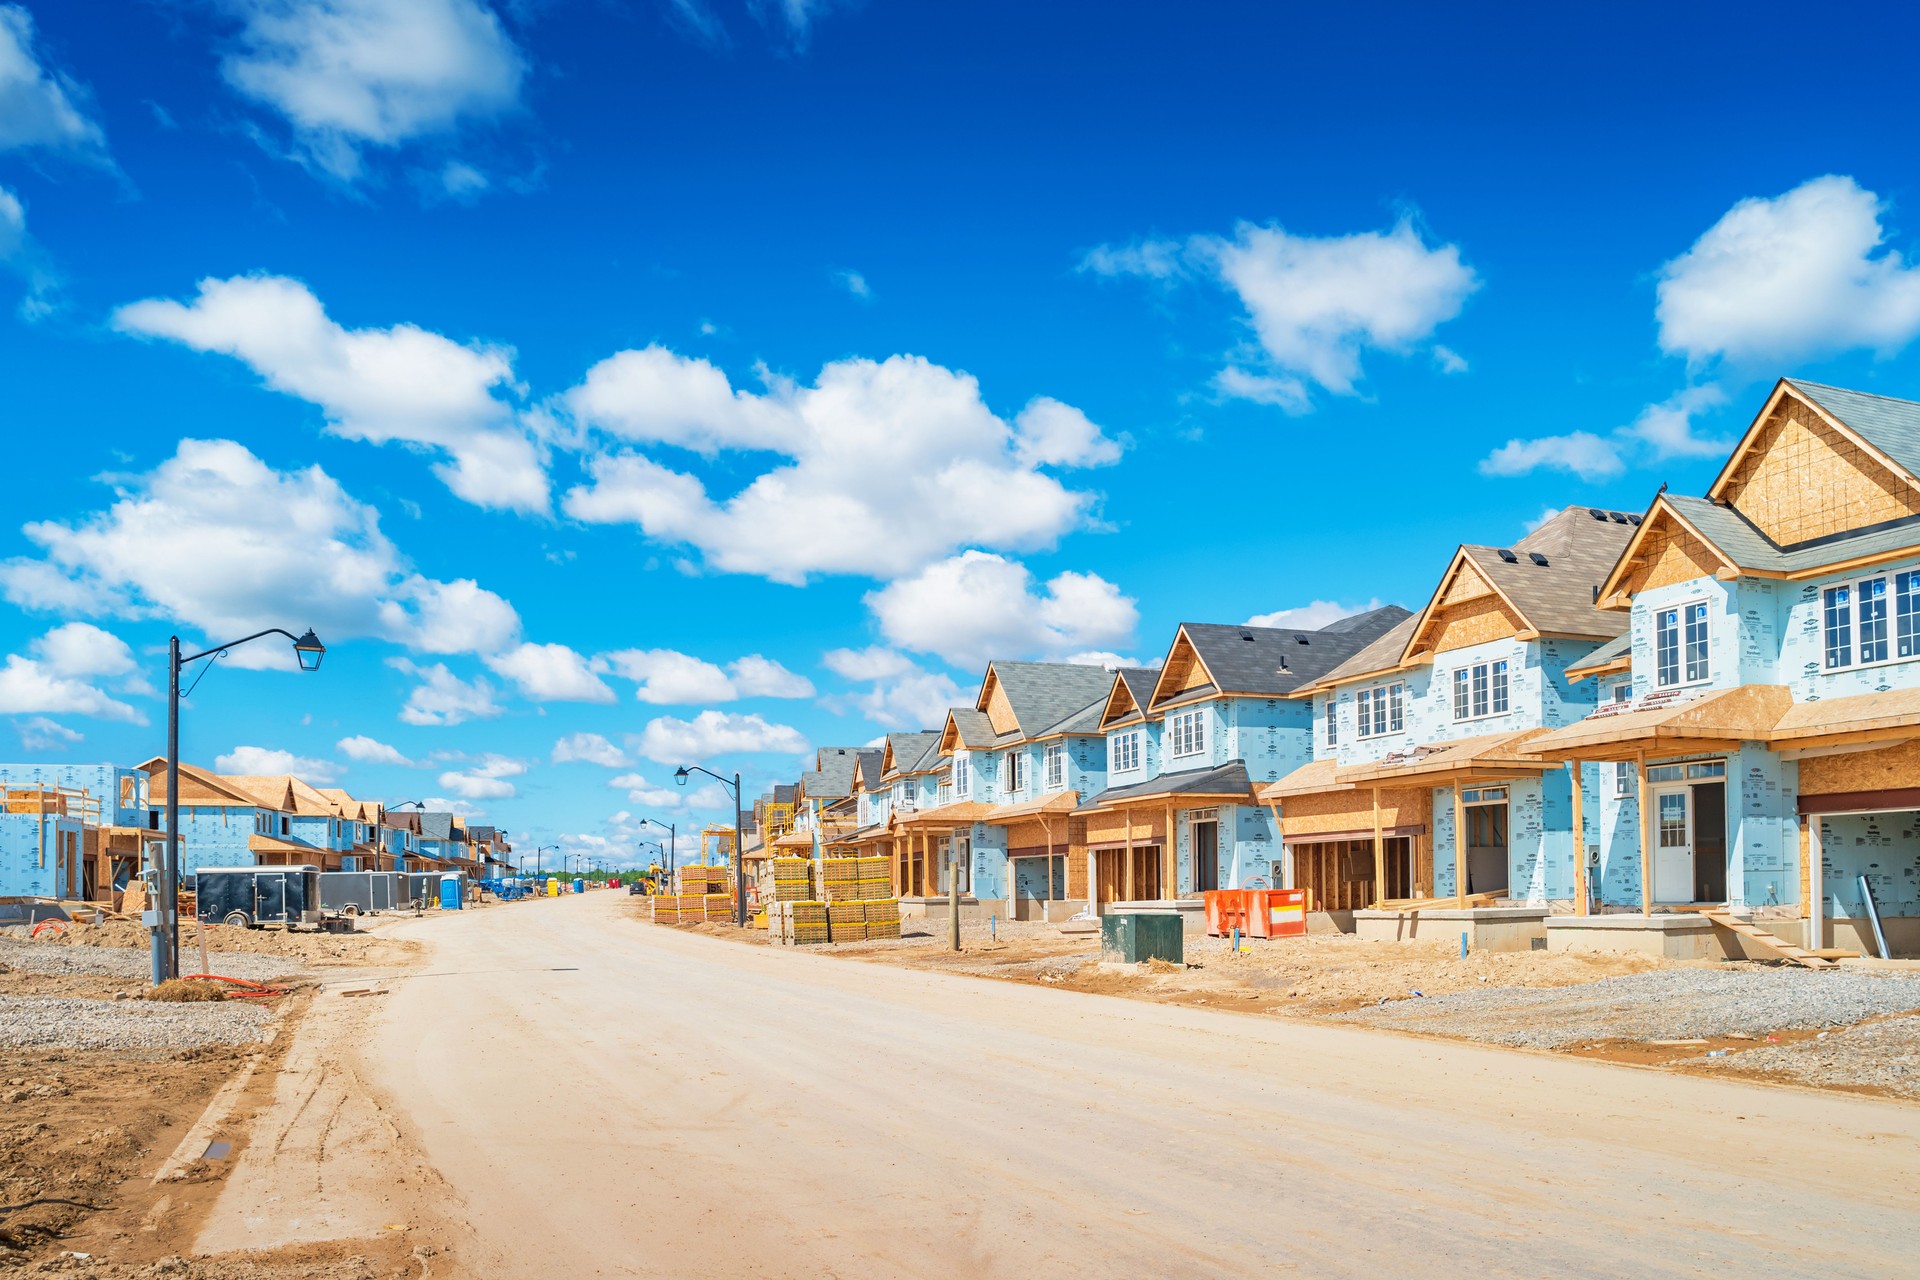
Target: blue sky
[(618, 384)]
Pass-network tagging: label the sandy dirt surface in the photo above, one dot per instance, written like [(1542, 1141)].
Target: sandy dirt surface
[(766, 1111), (320, 949)]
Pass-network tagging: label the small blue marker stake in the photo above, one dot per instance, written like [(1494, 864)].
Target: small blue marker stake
[(993, 928), (1236, 939), (1463, 944)]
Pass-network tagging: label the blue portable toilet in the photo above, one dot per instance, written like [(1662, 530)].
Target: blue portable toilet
[(579, 886), (450, 898)]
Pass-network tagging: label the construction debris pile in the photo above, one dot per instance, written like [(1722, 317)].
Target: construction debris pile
[(854, 902)]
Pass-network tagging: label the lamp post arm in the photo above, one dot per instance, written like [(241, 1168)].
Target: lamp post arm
[(733, 786), (235, 644)]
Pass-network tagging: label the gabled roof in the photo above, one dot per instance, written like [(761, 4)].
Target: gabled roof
[(967, 730), (1131, 692), (436, 825), (1383, 654), (869, 761), (1886, 428), (156, 769), (1042, 694), (904, 752), (1266, 661), (1617, 652), (833, 778), (1085, 721)]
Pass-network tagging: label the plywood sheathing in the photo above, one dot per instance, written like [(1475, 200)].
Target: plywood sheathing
[(1466, 583), (1466, 609), (999, 708), (1855, 717), (1888, 769), (1800, 477), (1108, 829), (1475, 622), (1183, 670), (1665, 549), (1352, 810), (1744, 714)]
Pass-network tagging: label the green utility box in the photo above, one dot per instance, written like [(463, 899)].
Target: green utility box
[(1134, 936)]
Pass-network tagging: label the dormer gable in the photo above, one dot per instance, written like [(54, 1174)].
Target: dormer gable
[(993, 700), (1182, 672), (1121, 704), (1667, 548), (1803, 470), (1467, 608)]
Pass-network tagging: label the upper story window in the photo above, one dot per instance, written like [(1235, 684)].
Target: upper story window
[(1056, 766), (1016, 772), (943, 793), (1187, 733), (962, 776), (1855, 628), (1680, 644), (1126, 751), (1480, 690), (1381, 710), (1333, 721)]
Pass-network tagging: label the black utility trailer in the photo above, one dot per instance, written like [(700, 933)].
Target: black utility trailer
[(252, 896), (360, 892)]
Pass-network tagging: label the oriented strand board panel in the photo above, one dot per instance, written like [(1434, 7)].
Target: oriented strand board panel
[(1883, 770), (1467, 585), (1672, 555), (1802, 479), (1475, 622), (1353, 811), (999, 709), (1184, 670), (1106, 829)]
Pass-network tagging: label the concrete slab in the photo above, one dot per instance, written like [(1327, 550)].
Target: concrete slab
[(1676, 937), (1487, 928)]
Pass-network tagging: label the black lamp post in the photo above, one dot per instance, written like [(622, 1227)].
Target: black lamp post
[(673, 840), (739, 836), (166, 934)]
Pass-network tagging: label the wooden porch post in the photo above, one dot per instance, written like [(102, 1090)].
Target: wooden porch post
[(1093, 881), (1646, 837), (1379, 854), (1169, 864), (1126, 872), (1580, 895), (1459, 844)]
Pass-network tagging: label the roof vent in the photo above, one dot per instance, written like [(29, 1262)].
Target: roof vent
[(1246, 635), (1537, 558), (1596, 593), (1508, 556), (1301, 640), (1621, 517), (1633, 519), (1597, 514)]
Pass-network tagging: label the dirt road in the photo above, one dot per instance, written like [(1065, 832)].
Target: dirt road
[(750, 1111)]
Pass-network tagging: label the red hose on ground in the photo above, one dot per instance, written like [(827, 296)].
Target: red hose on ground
[(61, 925)]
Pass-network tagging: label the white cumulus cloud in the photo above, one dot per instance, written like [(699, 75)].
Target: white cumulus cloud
[(1787, 277), (270, 762), (364, 750), (1315, 303), (669, 678), (487, 780), (220, 541), (37, 733), (347, 74), (441, 697), (889, 465), (1657, 433), (977, 606), (1310, 617), (39, 107), (400, 384), (916, 700), (875, 662), (551, 673), (715, 733), (589, 748)]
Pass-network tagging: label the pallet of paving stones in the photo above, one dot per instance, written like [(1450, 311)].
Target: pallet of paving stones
[(797, 924), (666, 908), (793, 879), (847, 921), (703, 880), (717, 907), (882, 918)]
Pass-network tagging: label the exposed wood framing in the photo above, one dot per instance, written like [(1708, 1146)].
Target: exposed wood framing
[(1582, 895), (1646, 837)]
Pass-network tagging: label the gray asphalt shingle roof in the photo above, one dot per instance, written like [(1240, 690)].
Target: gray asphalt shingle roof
[(1042, 694), (1889, 425), (1227, 779), (1580, 549), (1382, 655), (910, 749), (1612, 651), (1278, 660), (870, 759), (1749, 548), (974, 728)]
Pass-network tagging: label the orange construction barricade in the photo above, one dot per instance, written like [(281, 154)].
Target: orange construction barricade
[(1276, 913)]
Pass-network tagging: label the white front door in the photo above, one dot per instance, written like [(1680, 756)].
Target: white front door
[(1673, 846)]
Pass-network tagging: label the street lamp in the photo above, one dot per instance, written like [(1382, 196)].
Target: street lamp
[(739, 836), (166, 934), (673, 842)]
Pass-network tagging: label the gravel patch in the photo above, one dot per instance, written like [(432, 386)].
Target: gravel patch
[(135, 966), (1879, 1055), (30, 1022), (1667, 1004)]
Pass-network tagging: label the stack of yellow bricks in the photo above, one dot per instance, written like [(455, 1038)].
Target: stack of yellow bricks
[(861, 905), (798, 924), (703, 879), (793, 880)]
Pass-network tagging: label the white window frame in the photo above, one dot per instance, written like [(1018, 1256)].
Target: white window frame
[(1127, 750), (1625, 779), (1381, 710), (963, 777), (1482, 690), (1186, 734), (1333, 720), (1683, 658), (1014, 772), (1899, 612), (1056, 767)]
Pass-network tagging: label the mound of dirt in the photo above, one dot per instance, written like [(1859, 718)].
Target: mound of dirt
[(322, 948)]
